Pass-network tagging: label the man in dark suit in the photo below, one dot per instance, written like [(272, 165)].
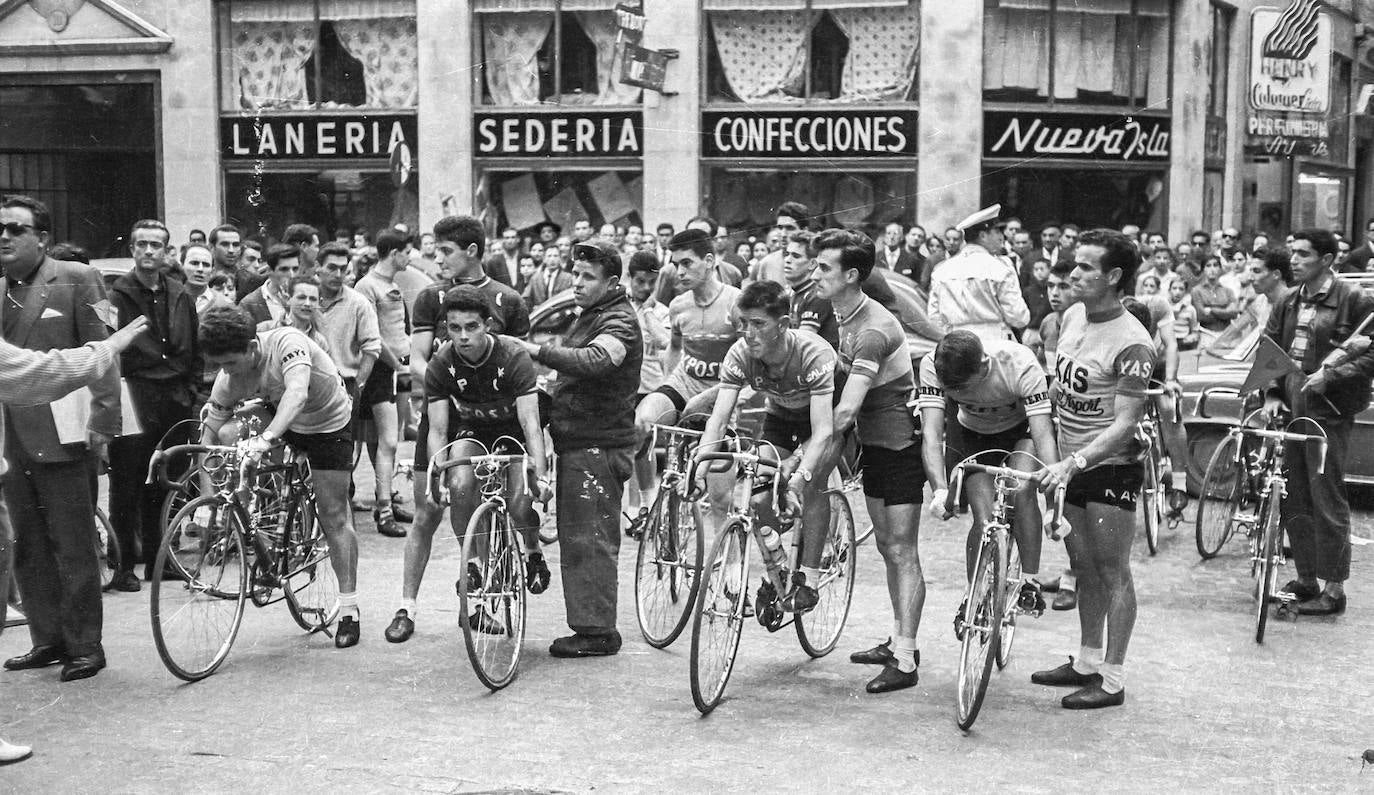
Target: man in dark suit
[(162, 371), (47, 304), (504, 265), (549, 280)]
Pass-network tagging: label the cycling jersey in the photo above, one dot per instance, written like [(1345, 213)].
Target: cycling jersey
[(509, 315), (481, 393), (872, 343), (327, 404), (808, 370), (705, 334), (1013, 390), (1095, 362), (811, 312)]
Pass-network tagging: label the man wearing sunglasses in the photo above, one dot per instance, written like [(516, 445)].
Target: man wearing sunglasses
[(46, 304)]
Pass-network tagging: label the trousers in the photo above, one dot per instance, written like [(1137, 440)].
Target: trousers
[(591, 482), (135, 505), (1315, 512)]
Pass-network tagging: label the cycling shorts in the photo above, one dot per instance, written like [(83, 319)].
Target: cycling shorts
[(1117, 485)]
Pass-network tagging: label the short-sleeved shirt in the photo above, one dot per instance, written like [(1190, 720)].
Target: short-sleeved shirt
[(509, 315), (1095, 362), (392, 315), (808, 370), (1161, 322), (328, 406), (705, 334), (872, 343), (814, 313), (1013, 390), (481, 393)]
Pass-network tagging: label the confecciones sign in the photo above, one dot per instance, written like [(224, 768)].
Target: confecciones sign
[(315, 137), (804, 134), (571, 134), (1076, 136)]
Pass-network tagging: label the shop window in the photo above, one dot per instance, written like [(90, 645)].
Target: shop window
[(1223, 19), (745, 201), (812, 50), (1091, 198), (559, 52), (1098, 52), (524, 199), (1339, 115), (264, 204), (302, 54)]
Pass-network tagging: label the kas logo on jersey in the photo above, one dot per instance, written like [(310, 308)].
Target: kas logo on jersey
[(1073, 377)]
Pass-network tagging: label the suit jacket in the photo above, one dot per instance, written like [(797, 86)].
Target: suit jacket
[(495, 267), (537, 291), (62, 310), (1358, 259)]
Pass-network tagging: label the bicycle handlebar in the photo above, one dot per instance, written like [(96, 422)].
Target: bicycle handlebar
[(436, 468), (1020, 476), (1200, 410), (157, 465), (694, 493), (1287, 436)]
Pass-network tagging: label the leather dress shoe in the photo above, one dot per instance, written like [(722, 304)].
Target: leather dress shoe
[(579, 645), (126, 582), (37, 657), (401, 627), (1094, 697), (348, 632), (892, 678), (1065, 676), (878, 655), (83, 667), (1324, 605), (1301, 590), (1066, 599)]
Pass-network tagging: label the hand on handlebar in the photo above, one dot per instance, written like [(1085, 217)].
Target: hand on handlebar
[(257, 446), (1173, 387), (1273, 407), (1051, 477)]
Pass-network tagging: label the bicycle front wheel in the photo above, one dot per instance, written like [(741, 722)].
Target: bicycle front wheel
[(493, 610), (819, 629), (1011, 592), (666, 567), (199, 588), (107, 556), (1221, 499), (1269, 548), (1152, 500), (719, 616), (311, 585), (982, 627)]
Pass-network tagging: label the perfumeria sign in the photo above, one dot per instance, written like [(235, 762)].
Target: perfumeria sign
[(1290, 59)]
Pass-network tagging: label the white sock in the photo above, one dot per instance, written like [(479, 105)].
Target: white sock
[(408, 605), (1113, 677), (1067, 581), (813, 576), (348, 604), (1089, 660), (904, 653)]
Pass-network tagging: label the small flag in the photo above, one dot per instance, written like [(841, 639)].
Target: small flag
[(1271, 364), (107, 312)]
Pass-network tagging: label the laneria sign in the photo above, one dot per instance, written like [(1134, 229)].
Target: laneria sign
[(364, 136), (567, 134), (803, 134), (1076, 136), (1290, 80)]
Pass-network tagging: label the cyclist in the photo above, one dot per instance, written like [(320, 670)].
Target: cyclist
[(795, 370), (703, 320), (479, 387), (313, 410), (810, 312), (1102, 368), (1003, 404), (874, 358)]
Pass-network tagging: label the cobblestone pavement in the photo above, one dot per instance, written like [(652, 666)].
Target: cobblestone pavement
[(1207, 709)]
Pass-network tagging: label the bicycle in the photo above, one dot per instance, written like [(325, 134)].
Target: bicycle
[(1160, 502), (668, 559), (1260, 473), (257, 533), (107, 551), (987, 617), (720, 605), (493, 608)]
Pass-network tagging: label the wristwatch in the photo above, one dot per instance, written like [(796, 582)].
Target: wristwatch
[(1079, 462), (805, 474), (268, 436)]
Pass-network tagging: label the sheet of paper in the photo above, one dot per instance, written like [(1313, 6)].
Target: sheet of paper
[(611, 197), (71, 414), (564, 209), (520, 198)]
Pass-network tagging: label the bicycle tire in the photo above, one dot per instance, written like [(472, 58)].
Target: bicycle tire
[(1152, 497), (819, 629), (1010, 594), (665, 581), (1271, 542), (311, 585), (719, 618), (107, 553), (174, 500), (1221, 498), (982, 631), (196, 612), (494, 655)]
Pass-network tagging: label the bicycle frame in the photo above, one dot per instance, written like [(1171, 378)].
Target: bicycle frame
[(1006, 482)]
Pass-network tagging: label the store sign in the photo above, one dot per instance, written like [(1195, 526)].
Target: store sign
[(1290, 59), (569, 134), (1076, 136), (315, 137), (803, 134)]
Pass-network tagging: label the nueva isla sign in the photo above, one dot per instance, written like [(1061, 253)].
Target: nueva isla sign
[(1290, 80), (1076, 136)]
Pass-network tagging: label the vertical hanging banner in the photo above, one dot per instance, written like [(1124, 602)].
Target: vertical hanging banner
[(1289, 96)]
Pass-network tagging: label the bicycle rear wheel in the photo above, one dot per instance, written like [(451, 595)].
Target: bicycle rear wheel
[(493, 611), (1011, 593), (107, 555), (1152, 499), (719, 616), (982, 631), (1269, 548), (199, 587), (819, 629), (311, 585), (1221, 499), (666, 566)]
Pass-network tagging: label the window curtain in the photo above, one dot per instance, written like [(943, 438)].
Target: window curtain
[(1016, 50), (268, 63), (884, 46), (388, 50), (763, 53), (510, 47), (601, 28)]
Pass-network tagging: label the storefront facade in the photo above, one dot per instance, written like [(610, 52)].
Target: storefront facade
[(365, 113)]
